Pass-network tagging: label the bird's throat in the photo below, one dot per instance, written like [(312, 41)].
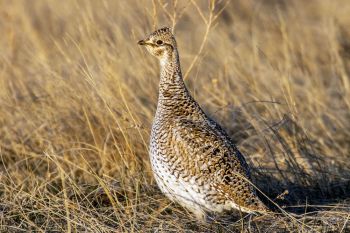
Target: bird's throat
[(171, 83)]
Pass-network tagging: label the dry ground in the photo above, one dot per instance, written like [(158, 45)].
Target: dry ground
[(77, 97)]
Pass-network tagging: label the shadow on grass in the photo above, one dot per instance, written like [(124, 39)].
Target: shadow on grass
[(323, 185)]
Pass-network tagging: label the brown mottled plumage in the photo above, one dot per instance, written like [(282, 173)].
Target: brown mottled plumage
[(194, 161)]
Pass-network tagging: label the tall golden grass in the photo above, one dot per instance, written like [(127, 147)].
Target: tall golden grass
[(77, 98)]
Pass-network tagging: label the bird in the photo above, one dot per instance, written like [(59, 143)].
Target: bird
[(194, 161)]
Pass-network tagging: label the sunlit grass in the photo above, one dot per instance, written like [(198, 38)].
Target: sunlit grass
[(77, 98)]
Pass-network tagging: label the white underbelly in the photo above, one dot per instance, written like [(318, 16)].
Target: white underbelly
[(176, 189)]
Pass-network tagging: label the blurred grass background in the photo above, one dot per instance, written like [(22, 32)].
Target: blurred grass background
[(77, 98)]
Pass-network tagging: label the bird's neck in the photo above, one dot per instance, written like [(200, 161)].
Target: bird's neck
[(174, 98), (171, 84)]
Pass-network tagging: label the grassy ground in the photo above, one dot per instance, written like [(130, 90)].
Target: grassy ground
[(77, 98)]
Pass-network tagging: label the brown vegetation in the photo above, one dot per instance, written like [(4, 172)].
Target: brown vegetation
[(77, 97)]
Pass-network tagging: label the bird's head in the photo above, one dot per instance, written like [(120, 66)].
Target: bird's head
[(161, 43)]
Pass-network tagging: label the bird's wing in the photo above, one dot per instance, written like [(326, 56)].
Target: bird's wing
[(206, 153)]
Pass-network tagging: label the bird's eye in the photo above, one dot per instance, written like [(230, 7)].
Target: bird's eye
[(159, 42)]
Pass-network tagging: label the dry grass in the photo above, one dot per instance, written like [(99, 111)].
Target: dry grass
[(77, 97)]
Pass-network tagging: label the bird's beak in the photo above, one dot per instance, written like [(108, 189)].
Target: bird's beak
[(145, 42), (141, 42)]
